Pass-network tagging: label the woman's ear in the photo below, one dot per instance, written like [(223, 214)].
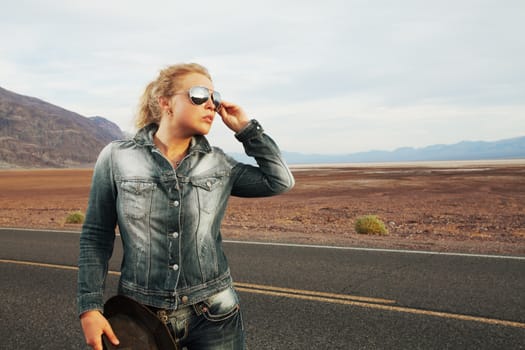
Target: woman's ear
[(165, 105)]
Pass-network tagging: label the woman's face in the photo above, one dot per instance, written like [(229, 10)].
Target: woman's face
[(190, 119)]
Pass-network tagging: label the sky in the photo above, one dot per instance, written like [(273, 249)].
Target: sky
[(323, 77)]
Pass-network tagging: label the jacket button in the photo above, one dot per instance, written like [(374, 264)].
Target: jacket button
[(175, 235), (175, 267), (175, 203), (184, 299)]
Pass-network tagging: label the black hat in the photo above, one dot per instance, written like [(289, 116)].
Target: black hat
[(136, 326)]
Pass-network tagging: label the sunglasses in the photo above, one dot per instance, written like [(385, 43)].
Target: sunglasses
[(200, 94)]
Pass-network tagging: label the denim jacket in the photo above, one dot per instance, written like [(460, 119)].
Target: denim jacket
[(169, 219)]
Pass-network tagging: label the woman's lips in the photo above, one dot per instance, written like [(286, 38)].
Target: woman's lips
[(208, 119)]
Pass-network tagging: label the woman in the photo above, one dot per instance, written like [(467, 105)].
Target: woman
[(167, 190)]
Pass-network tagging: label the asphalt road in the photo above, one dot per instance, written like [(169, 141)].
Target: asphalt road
[(293, 297)]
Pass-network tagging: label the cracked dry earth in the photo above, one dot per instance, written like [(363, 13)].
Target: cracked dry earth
[(469, 207)]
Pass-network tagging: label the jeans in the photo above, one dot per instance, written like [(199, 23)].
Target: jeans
[(214, 324)]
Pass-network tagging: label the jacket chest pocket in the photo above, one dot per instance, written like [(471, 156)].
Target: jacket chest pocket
[(136, 198), (209, 192)]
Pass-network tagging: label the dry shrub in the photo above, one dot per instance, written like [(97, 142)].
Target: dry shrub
[(75, 218), (370, 224)]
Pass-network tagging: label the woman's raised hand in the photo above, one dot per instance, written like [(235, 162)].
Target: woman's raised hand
[(233, 116)]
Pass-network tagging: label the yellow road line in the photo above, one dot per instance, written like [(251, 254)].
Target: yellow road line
[(250, 286), (448, 315), (30, 263), (238, 285), (323, 297), (54, 266)]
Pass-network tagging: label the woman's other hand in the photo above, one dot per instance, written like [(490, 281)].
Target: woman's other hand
[(94, 324)]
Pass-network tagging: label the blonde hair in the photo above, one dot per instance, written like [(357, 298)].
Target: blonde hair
[(166, 84)]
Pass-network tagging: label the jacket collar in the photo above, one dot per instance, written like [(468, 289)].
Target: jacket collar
[(144, 137)]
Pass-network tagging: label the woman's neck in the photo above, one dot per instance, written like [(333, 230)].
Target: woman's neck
[(173, 147)]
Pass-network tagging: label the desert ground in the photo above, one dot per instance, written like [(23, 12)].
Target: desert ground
[(468, 207)]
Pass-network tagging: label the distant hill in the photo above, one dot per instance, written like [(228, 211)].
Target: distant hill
[(34, 133), (467, 150), (108, 126)]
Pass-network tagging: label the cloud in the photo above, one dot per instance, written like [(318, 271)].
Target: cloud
[(320, 76)]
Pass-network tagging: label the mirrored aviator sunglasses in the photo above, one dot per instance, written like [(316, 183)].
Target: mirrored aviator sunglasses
[(200, 94)]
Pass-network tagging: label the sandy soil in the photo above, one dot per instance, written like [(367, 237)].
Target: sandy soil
[(471, 207)]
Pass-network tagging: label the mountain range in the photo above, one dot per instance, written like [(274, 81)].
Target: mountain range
[(513, 148), (37, 134)]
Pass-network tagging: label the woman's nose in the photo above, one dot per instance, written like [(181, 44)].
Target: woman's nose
[(209, 104)]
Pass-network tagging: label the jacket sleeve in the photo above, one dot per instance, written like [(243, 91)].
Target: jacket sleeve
[(97, 236), (272, 176)]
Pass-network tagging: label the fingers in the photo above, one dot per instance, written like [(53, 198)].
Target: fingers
[(227, 104), (233, 116), (229, 108), (108, 331), (94, 324), (97, 345)]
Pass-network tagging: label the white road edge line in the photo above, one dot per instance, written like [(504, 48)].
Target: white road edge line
[(381, 250), (424, 252)]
